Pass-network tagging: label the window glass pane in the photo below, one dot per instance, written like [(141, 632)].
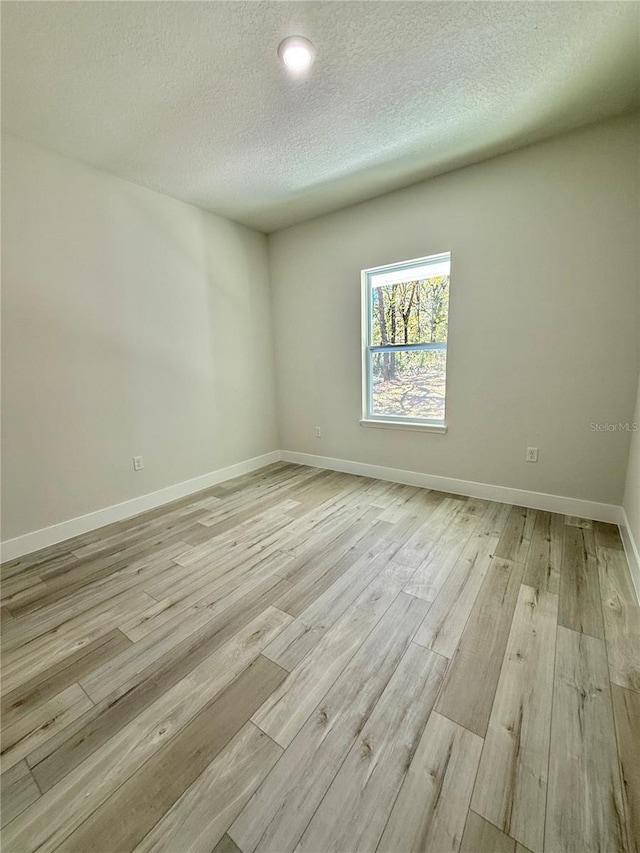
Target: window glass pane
[(428, 268), (414, 311), (409, 384)]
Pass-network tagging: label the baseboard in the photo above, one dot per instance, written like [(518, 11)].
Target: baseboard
[(47, 536), (502, 494), (38, 539), (631, 550)]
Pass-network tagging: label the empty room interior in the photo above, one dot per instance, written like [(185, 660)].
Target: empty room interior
[(320, 427)]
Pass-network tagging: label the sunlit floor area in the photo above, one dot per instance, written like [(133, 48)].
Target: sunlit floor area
[(307, 660)]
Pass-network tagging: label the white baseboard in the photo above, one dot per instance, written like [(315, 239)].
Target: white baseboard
[(502, 494), (46, 536), (38, 539), (631, 550)]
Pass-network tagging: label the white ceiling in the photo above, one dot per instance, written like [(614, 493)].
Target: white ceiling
[(188, 98)]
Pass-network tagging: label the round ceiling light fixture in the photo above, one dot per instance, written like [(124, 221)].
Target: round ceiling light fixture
[(297, 53)]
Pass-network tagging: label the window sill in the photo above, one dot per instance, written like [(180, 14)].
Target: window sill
[(415, 426)]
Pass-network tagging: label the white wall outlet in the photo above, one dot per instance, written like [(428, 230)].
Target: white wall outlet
[(138, 463), (532, 454), (318, 432)]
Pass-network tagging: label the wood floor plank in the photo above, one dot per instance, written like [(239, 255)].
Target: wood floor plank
[(432, 805), (585, 810), (576, 521), (318, 574), (470, 685), (398, 502), (626, 712), (511, 786), (268, 506), (62, 554), (607, 536), (17, 791), (492, 523), (199, 819), (30, 731), (410, 522), (580, 607), (100, 569), (307, 566), (314, 562), (104, 567), (24, 597), (230, 556), (300, 637), (444, 552), (39, 655), (226, 845), (480, 836), (621, 618), (544, 559), (32, 563), (124, 669), (615, 577), (516, 537), (136, 806), (77, 742), (123, 534), (18, 583), (278, 813), (53, 681), (211, 594), (622, 631), (377, 494), (320, 528), (446, 618), (355, 809), (285, 712), (123, 544), (434, 519), (45, 825), (242, 542), (94, 599)]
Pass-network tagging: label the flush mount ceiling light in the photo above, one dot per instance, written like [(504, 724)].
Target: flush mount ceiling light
[(297, 53)]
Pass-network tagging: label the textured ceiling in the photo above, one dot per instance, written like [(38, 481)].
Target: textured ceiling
[(188, 98)]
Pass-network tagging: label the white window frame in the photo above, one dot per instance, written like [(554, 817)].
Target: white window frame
[(369, 419)]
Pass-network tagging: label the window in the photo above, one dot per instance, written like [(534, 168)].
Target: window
[(405, 310)]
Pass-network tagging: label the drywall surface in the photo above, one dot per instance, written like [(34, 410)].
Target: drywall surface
[(543, 337), (631, 502), (132, 324)]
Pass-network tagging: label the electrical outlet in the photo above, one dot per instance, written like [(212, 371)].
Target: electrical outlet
[(318, 432), (532, 454), (138, 463)]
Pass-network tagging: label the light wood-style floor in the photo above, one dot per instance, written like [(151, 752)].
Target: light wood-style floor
[(301, 660)]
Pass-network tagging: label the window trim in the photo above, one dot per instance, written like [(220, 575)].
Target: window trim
[(369, 419), (411, 426)]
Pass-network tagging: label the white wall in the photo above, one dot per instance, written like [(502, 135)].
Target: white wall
[(631, 502), (132, 324), (543, 336)]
